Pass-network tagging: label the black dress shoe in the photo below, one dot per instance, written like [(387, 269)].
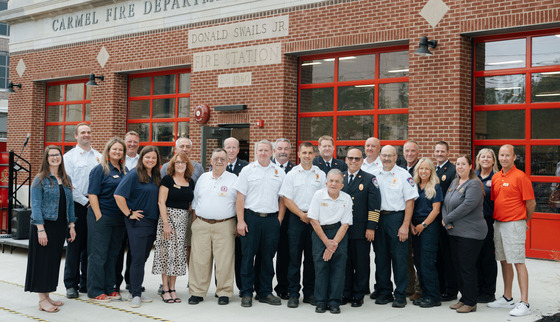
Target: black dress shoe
[(223, 300), (83, 290), (446, 297), (257, 297), (195, 299), (334, 309), (321, 308), (283, 295), (71, 293), (357, 302), (427, 303), (384, 299), (270, 299), (399, 303), (247, 301), (311, 300), (373, 295), (345, 300), (417, 302), (293, 302)]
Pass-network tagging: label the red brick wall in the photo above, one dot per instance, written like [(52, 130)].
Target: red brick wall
[(440, 86)]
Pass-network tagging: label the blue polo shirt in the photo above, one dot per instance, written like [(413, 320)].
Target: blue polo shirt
[(488, 203), (423, 206), (139, 196), (103, 186)]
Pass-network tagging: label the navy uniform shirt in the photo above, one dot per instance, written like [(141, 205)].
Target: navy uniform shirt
[(103, 186), (139, 196), (424, 206), (488, 203)]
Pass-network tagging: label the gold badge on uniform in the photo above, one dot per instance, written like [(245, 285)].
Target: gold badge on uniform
[(361, 187), (116, 176), (443, 177), (324, 204), (462, 190)]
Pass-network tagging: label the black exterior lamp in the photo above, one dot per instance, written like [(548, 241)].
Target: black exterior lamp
[(423, 47), (92, 79), (11, 87)]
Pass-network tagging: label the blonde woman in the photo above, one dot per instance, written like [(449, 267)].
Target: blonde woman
[(425, 231)]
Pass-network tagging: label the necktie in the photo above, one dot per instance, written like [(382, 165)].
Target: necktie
[(328, 164), (437, 168), (350, 178), (230, 168)]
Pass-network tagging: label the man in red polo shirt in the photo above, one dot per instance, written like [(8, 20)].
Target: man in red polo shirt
[(514, 204)]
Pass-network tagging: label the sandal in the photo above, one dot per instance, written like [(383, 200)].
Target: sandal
[(176, 299), (52, 309), (171, 300), (55, 303)]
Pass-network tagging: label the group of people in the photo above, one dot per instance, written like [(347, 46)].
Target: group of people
[(438, 228)]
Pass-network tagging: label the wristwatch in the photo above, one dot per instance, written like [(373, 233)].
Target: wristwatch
[(129, 214), (424, 224)]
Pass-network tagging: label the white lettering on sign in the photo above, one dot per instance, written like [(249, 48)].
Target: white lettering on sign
[(238, 32), (232, 80), (238, 57)]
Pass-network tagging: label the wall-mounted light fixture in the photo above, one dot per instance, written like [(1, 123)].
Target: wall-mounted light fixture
[(92, 79), (423, 46), (11, 87)]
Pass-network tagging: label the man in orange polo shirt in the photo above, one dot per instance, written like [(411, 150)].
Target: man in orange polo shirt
[(514, 204)]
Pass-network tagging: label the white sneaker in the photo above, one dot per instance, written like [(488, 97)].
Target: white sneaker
[(521, 309), (136, 302), (502, 302)]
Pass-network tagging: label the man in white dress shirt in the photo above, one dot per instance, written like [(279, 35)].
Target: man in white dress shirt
[(372, 160)]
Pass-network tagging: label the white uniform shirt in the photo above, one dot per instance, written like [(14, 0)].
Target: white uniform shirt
[(396, 187), (369, 167), (131, 162), (299, 185), (78, 164), (215, 198), (329, 211), (260, 185)]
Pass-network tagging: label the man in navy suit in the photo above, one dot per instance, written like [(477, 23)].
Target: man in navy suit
[(325, 160), (366, 202), (446, 173)]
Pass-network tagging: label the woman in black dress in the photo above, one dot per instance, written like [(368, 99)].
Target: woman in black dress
[(52, 211)]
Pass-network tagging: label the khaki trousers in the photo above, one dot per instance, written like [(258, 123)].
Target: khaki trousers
[(212, 243)]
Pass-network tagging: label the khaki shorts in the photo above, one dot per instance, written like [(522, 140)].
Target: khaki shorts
[(509, 239)]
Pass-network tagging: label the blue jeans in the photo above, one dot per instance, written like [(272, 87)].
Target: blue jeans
[(299, 242), (141, 236), (104, 242), (425, 253), (329, 276)]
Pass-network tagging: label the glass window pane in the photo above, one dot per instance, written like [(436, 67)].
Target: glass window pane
[(139, 109), (359, 97), (544, 124), (356, 67), (143, 130), (342, 151), (54, 133), (182, 129), (545, 51), (546, 197), (68, 148), (164, 108), (55, 113), (312, 128), (519, 151), (184, 107), (166, 153), (355, 127), (163, 132), (74, 113), (317, 71), (393, 95), (69, 135), (503, 54), (545, 87), (88, 112), (75, 92), (545, 160), (88, 92), (140, 86), (499, 125), (394, 64), (184, 83), (55, 93), (165, 84), (316, 99), (393, 126), (508, 89)]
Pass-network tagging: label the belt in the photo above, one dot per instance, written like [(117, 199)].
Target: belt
[(213, 221), (387, 212), (261, 214), (331, 226)]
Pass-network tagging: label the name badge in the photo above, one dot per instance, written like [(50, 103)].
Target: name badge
[(324, 204), (116, 176), (176, 186), (506, 184), (222, 194)]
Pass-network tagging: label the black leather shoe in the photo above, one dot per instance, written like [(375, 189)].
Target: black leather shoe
[(257, 297), (270, 299), (223, 300), (311, 300), (160, 289), (283, 295), (83, 290), (71, 293), (321, 308), (357, 302), (293, 302), (427, 303), (384, 299), (373, 295), (399, 303), (334, 309), (345, 300), (247, 301), (195, 299), (446, 297), (417, 302)]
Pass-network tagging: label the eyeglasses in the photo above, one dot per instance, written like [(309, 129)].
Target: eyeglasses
[(54, 155), (354, 158), (180, 163), (386, 156)]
